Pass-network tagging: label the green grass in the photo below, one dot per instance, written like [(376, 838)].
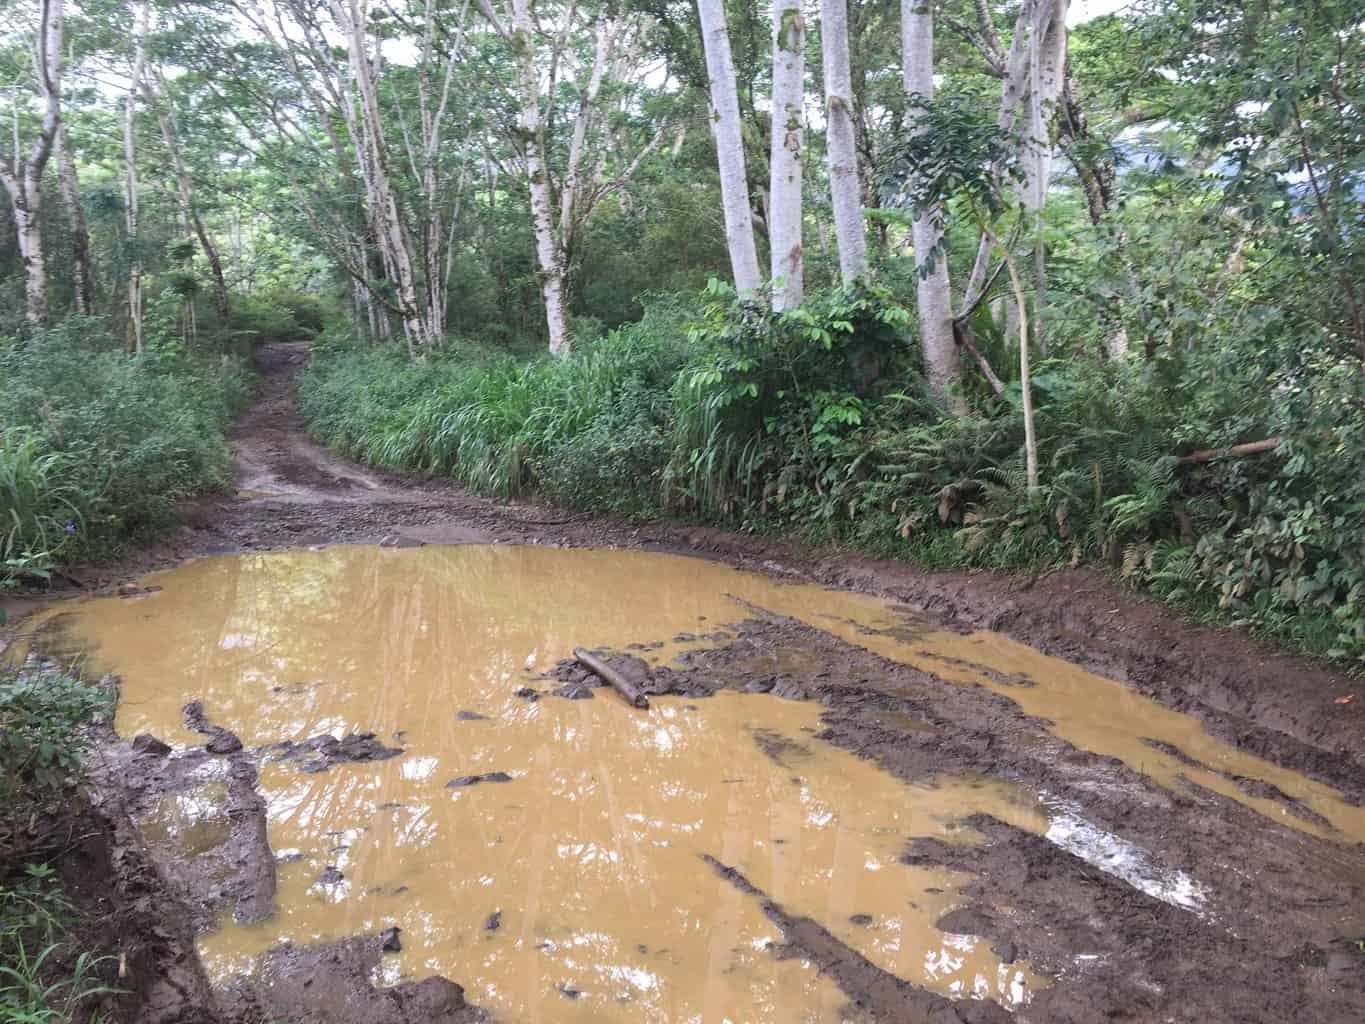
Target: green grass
[(97, 448)]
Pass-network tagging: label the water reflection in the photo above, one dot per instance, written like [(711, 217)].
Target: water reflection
[(589, 858)]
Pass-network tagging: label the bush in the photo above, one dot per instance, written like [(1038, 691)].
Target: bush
[(278, 315), (97, 447)]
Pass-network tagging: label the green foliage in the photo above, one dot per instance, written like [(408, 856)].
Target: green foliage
[(815, 421), (96, 447), (277, 315), (42, 714), (41, 981)]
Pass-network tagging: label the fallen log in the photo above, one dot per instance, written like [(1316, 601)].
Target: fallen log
[(609, 675), (1268, 444)]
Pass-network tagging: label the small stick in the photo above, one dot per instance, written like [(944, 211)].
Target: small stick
[(601, 669)]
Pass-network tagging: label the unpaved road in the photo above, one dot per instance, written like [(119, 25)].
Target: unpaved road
[(1282, 933)]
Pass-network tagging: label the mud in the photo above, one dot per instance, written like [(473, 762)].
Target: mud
[(1185, 872)]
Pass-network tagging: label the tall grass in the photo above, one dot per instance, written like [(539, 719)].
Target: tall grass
[(97, 447)]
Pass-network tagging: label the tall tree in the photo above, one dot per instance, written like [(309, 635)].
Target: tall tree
[(22, 175), (845, 185), (131, 198), (942, 362), (82, 272), (729, 136), (788, 146), (581, 185)]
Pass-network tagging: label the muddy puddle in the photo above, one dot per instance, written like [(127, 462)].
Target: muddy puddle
[(547, 853)]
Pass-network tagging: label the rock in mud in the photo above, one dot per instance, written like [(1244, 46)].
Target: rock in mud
[(195, 719), (222, 741), (470, 716), (526, 693), (493, 921), (861, 920), (474, 780), (573, 691), (321, 752), (389, 941), (146, 743)]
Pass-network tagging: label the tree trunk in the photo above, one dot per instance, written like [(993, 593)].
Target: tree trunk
[(727, 129), (352, 16), (1047, 62), (82, 274), (130, 185), (23, 179), (788, 141), (942, 361), (531, 130), (844, 186)]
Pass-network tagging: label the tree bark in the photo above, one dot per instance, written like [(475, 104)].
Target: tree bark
[(840, 141), (82, 273), (728, 132), (942, 361), (531, 128), (23, 177), (788, 143)]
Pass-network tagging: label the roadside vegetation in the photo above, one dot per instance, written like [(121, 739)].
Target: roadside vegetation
[(46, 977), (97, 449), (816, 423)]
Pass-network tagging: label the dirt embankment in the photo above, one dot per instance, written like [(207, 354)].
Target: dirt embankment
[(1273, 936)]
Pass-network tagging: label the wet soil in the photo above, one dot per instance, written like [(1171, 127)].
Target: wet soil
[(1204, 910)]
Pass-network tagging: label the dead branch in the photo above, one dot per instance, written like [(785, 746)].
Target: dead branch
[(620, 683)]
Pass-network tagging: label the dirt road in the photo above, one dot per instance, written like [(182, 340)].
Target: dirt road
[(1277, 932)]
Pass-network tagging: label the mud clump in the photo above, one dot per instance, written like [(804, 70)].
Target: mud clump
[(331, 984), (322, 752), (221, 741)]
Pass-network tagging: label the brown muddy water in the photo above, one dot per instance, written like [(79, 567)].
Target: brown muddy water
[(572, 887)]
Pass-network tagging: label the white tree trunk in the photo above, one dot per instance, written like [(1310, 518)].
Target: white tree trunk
[(788, 143), (159, 103), (942, 362), (531, 129), (352, 16), (844, 186), (23, 176), (82, 274), (1047, 62), (725, 126)]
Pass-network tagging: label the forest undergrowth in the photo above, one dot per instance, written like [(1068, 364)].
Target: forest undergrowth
[(816, 423)]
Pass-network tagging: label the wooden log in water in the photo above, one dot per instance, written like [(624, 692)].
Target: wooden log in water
[(615, 679)]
